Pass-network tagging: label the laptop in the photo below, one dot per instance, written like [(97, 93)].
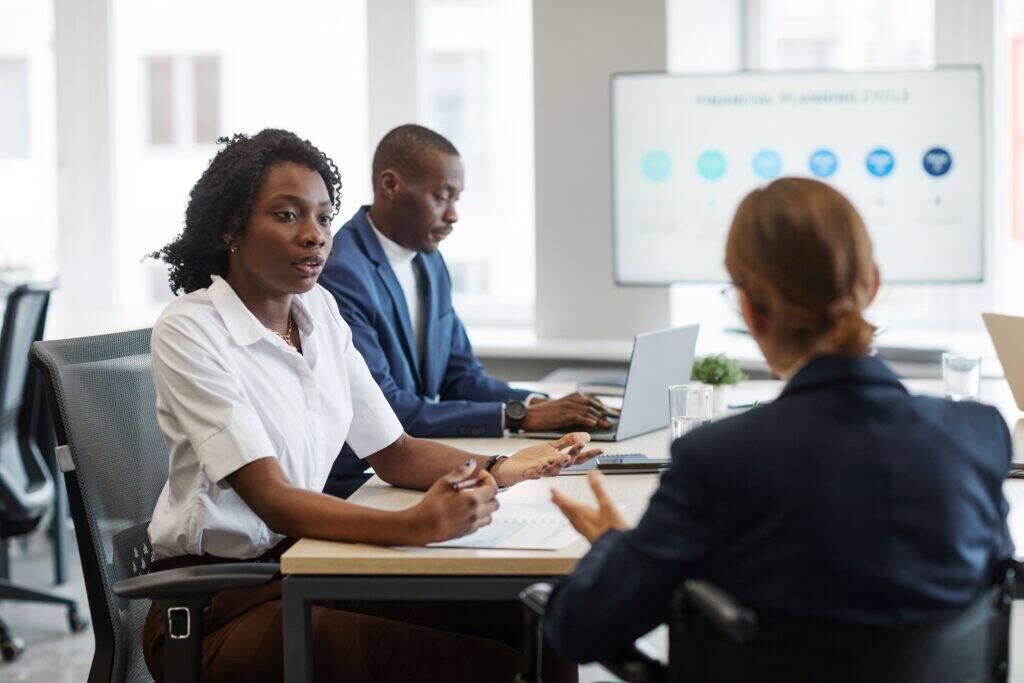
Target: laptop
[(1007, 332), (660, 359)]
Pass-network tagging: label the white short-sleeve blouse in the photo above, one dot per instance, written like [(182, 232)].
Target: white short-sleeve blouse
[(230, 391)]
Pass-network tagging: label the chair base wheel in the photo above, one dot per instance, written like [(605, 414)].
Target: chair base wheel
[(76, 622), (11, 648)]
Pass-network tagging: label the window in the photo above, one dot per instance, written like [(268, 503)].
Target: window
[(185, 73), (470, 276), (1015, 43), (1014, 251), (14, 113), (861, 34), (184, 100), (28, 153), (846, 34), (476, 89), (816, 34), (457, 104)]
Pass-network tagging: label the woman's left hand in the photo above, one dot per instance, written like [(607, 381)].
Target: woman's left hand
[(591, 522), (546, 459)]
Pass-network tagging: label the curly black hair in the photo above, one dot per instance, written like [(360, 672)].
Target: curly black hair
[(220, 202)]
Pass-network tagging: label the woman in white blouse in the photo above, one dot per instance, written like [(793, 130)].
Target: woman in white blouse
[(258, 386)]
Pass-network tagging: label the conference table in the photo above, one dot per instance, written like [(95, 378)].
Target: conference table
[(317, 571)]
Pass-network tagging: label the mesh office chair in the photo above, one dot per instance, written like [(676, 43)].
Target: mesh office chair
[(714, 638), (115, 464), (27, 492)]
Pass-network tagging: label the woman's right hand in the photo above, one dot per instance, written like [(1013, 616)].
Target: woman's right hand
[(457, 504)]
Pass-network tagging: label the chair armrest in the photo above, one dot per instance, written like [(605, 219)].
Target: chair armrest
[(535, 598), (634, 666), (1014, 577), (198, 580), (720, 608), (630, 665)]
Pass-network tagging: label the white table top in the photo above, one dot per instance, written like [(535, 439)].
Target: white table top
[(632, 491), (320, 557), (656, 444)]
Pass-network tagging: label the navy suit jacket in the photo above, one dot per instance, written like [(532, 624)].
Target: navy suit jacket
[(448, 394), (845, 501)]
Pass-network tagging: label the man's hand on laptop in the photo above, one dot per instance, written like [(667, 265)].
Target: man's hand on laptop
[(574, 410), (546, 459)]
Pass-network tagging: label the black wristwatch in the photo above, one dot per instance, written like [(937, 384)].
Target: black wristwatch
[(515, 412), (492, 461)]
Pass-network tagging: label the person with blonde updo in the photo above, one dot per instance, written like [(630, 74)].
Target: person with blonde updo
[(845, 502)]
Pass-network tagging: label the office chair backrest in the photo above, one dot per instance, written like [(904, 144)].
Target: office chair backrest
[(104, 406), (970, 645), (26, 489)]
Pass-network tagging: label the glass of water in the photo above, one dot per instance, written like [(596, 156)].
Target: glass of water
[(689, 406), (961, 376)]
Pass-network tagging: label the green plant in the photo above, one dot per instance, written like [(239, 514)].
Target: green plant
[(717, 369)]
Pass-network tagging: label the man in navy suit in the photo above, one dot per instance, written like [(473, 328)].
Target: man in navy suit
[(394, 290)]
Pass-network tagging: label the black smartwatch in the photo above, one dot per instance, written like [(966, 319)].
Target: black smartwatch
[(515, 411)]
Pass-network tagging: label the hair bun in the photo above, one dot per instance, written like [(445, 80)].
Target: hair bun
[(841, 307)]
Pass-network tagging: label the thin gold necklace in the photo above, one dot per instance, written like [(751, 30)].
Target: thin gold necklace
[(287, 336)]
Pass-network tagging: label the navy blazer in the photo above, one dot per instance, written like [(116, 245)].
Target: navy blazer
[(448, 394), (844, 501)]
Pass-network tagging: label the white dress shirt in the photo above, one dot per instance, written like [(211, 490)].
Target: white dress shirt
[(409, 277), (230, 391)]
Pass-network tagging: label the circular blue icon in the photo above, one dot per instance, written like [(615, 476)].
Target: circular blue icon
[(823, 163), (937, 161), (880, 162), (767, 163), (656, 166), (711, 165)]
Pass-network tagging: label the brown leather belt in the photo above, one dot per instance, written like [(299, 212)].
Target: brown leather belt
[(272, 555)]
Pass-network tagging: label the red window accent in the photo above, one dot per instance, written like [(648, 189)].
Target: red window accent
[(1017, 127)]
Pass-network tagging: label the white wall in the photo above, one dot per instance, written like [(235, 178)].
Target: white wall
[(393, 59), (578, 44), (84, 137)]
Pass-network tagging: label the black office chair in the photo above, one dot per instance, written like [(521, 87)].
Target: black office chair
[(27, 492), (115, 464), (714, 638)]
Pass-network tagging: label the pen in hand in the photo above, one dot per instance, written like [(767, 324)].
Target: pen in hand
[(471, 476)]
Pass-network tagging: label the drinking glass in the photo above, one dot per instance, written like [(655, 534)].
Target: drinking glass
[(961, 376), (689, 407)]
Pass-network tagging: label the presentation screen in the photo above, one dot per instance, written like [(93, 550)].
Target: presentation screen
[(904, 147)]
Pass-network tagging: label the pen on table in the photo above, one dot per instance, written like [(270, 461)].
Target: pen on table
[(744, 406)]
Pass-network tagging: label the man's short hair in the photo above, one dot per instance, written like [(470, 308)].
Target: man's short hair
[(403, 148)]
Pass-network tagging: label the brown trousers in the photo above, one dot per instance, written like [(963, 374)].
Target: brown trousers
[(353, 642)]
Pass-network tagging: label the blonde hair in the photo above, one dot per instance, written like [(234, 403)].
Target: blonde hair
[(799, 250)]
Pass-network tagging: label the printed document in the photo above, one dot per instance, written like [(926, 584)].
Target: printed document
[(520, 526)]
